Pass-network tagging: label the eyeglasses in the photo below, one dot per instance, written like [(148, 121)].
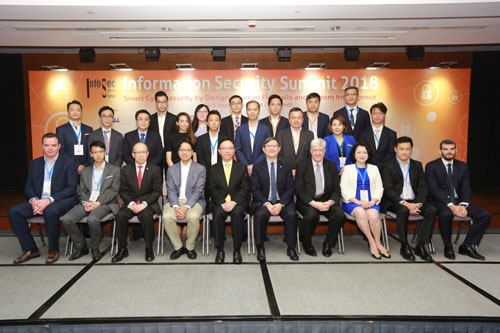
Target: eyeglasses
[(140, 152)]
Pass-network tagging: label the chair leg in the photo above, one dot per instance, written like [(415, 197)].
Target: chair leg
[(431, 247), (341, 241), (159, 237), (41, 234), (208, 237), (298, 241), (203, 235), (385, 239), (249, 235), (252, 230), (68, 240), (459, 231), (113, 238)]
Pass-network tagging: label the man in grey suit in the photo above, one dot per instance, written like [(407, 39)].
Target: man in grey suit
[(295, 140), (112, 139), (98, 193), (185, 187)]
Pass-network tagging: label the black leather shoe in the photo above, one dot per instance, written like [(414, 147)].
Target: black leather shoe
[(407, 253), (261, 254), (177, 253), (219, 257), (327, 250), (311, 252), (237, 257), (149, 255), (96, 255), (191, 254), (471, 252), (78, 253), (122, 254), (421, 251), (292, 254), (448, 252)]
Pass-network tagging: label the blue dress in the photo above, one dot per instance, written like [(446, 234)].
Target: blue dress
[(349, 207)]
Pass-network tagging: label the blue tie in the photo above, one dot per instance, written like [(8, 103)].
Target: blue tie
[(274, 194), (143, 139)]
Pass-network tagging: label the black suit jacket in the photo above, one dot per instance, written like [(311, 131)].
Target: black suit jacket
[(67, 139), (153, 141), (437, 182), (151, 185), (305, 185), (238, 183), (260, 183), (203, 149), (287, 152), (115, 146), (323, 121), (168, 128), (362, 122), (227, 126), (282, 124), (385, 151)]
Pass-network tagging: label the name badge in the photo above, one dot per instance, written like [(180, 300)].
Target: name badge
[(78, 150), (93, 196), (406, 193), (46, 186), (342, 162), (364, 195), (106, 158)]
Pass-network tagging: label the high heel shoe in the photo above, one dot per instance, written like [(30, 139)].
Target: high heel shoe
[(386, 255), (376, 256)]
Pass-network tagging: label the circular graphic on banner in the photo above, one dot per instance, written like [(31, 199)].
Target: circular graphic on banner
[(463, 127), (426, 92), (431, 116), (55, 120), (415, 153), (454, 97)]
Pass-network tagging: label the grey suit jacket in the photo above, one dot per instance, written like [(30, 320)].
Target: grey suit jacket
[(287, 152), (194, 188), (110, 186), (115, 146)]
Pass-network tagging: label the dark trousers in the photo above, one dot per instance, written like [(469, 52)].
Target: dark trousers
[(147, 224), (429, 213), (310, 218), (219, 225), (289, 216), (480, 217)]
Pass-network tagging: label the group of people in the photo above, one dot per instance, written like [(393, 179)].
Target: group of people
[(304, 165)]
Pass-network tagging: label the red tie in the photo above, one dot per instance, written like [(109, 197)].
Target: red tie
[(139, 179)]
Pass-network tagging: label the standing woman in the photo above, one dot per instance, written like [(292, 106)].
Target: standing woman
[(339, 144), (184, 132), (362, 189), (200, 119)]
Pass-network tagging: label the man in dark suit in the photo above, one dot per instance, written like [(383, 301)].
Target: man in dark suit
[(357, 120), (318, 192), (206, 144), (272, 188), (405, 194), (74, 136), (449, 192), (50, 191), (295, 141), (315, 121), (112, 139), (275, 120), (142, 134), (380, 138), (230, 124), (98, 194), (140, 188), (162, 122), (228, 187)]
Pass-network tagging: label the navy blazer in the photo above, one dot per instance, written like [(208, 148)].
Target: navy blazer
[(153, 141), (322, 127), (363, 122), (67, 138), (385, 150), (332, 150), (282, 124), (227, 126), (438, 186), (244, 152), (260, 183)]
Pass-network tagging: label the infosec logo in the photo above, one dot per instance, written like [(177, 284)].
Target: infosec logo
[(107, 88)]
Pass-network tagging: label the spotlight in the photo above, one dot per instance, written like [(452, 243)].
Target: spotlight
[(152, 53), (284, 54), (415, 52), (219, 54), (351, 53), (87, 54)]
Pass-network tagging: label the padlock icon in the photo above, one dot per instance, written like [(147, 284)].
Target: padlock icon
[(426, 92), (405, 127), (454, 96)]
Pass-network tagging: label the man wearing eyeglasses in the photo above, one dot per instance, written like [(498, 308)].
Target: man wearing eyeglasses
[(112, 139), (230, 124)]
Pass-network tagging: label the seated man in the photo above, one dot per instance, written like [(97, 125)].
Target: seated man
[(449, 192), (98, 193), (140, 188), (272, 188), (318, 192), (185, 187), (228, 187), (405, 194), (50, 191)]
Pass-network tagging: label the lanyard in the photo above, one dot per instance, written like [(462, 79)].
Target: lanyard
[(98, 184), (252, 134), (405, 177), (51, 169), (375, 136), (349, 114), (79, 132), (213, 145), (362, 176), (341, 147), (275, 128), (311, 123), (296, 141)]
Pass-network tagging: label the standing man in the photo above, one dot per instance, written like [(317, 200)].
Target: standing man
[(50, 191), (162, 122), (112, 139), (449, 192), (357, 119), (275, 120), (185, 186), (74, 136), (206, 144), (405, 194), (142, 134), (98, 193), (250, 136), (228, 186), (230, 124), (318, 192), (272, 188), (315, 121), (140, 188)]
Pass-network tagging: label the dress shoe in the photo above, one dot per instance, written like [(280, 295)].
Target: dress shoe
[(96, 255), (27, 255), (292, 254), (78, 253), (122, 254), (237, 257), (471, 252), (386, 255), (406, 252), (52, 257), (448, 252), (311, 251), (150, 256), (219, 257), (177, 253), (376, 256), (191, 254), (261, 254), (327, 250), (421, 251)]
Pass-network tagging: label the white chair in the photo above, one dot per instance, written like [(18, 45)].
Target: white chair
[(38, 220), (272, 219), (462, 220), (69, 242), (322, 218), (385, 238), (206, 232), (413, 218), (162, 232)]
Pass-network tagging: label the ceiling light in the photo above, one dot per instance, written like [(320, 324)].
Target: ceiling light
[(249, 66), (120, 67), (315, 66), (185, 67), (444, 65), (378, 65), (55, 68)]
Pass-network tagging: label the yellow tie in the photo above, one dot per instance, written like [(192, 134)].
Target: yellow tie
[(228, 173)]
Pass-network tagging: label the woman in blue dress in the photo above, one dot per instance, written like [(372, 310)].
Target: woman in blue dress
[(339, 144), (362, 189)]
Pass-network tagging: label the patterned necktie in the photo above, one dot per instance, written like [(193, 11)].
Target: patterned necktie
[(106, 141), (228, 174), (451, 183), (236, 122), (274, 193), (351, 118), (139, 180), (143, 137), (319, 183)]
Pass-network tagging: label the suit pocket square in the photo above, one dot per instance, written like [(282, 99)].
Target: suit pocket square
[(109, 176), (349, 145), (86, 134)]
